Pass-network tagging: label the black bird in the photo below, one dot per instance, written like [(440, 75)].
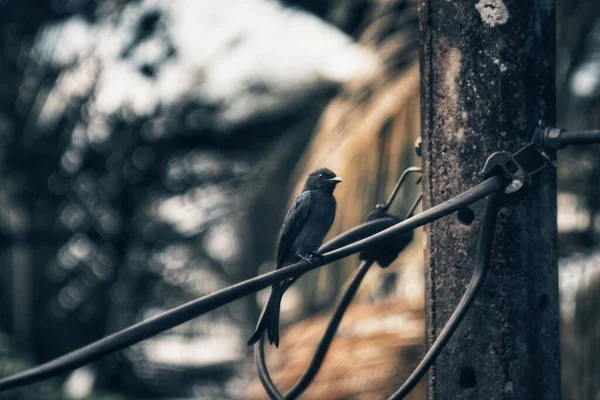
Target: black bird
[(303, 230)]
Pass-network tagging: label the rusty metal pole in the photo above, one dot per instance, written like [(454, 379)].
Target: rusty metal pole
[(487, 78)]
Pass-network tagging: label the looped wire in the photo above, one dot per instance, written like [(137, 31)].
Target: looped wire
[(344, 245), (385, 253), (185, 312), (486, 237), (322, 348)]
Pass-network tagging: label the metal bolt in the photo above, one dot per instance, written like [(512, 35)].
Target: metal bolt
[(552, 138)]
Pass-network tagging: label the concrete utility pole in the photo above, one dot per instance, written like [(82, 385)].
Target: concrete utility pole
[(487, 76)]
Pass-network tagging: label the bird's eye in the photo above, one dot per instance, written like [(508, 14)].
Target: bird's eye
[(320, 175)]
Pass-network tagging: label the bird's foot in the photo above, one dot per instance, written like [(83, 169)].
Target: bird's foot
[(312, 258)]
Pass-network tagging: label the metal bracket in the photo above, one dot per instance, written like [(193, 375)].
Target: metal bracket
[(517, 168), (503, 163), (552, 138), (545, 137), (386, 251), (386, 205)]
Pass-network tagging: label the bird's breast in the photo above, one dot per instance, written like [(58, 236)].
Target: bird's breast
[(318, 223)]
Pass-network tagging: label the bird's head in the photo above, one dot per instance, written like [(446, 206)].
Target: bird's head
[(322, 179)]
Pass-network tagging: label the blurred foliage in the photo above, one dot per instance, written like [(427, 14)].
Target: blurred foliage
[(112, 216), (119, 204), (580, 331), (578, 107)]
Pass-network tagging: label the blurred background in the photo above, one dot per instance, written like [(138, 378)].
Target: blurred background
[(149, 151)]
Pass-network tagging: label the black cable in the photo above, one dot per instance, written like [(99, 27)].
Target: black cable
[(353, 235), (486, 238), (484, 250), (322, 348), (568, 138), (555, 138), (332, 326), (185, 312), (358, 233), (263, 372), (337, 315)]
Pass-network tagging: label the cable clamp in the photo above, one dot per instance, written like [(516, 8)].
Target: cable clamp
[(387, 250)]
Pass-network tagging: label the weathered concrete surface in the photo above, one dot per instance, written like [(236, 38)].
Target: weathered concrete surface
[(487, 75)]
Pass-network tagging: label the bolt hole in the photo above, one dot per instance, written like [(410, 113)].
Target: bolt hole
[(465, 216), (467, 378), (543, 302)]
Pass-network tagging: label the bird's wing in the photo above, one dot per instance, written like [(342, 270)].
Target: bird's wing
[(292, 224)]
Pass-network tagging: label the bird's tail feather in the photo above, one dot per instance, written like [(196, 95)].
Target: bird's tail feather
[(273, 325), (269, 319)]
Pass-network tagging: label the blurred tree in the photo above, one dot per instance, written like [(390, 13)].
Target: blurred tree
[(578, 85), (144, 168), (147, 156)]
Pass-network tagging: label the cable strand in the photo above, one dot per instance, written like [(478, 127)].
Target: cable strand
[(486, 238), (185, 312), (322, 348)]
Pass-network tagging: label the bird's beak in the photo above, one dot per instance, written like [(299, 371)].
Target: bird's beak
[(335, 180)]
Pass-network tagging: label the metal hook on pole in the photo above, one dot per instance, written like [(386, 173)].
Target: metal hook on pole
[(386, 205)]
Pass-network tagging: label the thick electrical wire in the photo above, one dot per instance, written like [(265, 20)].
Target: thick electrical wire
[(486, 238), (340, 247), (169, 319), (322, 348), (337, 315), (486, 235)]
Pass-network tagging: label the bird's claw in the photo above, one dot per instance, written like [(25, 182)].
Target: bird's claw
[(312, 258)]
